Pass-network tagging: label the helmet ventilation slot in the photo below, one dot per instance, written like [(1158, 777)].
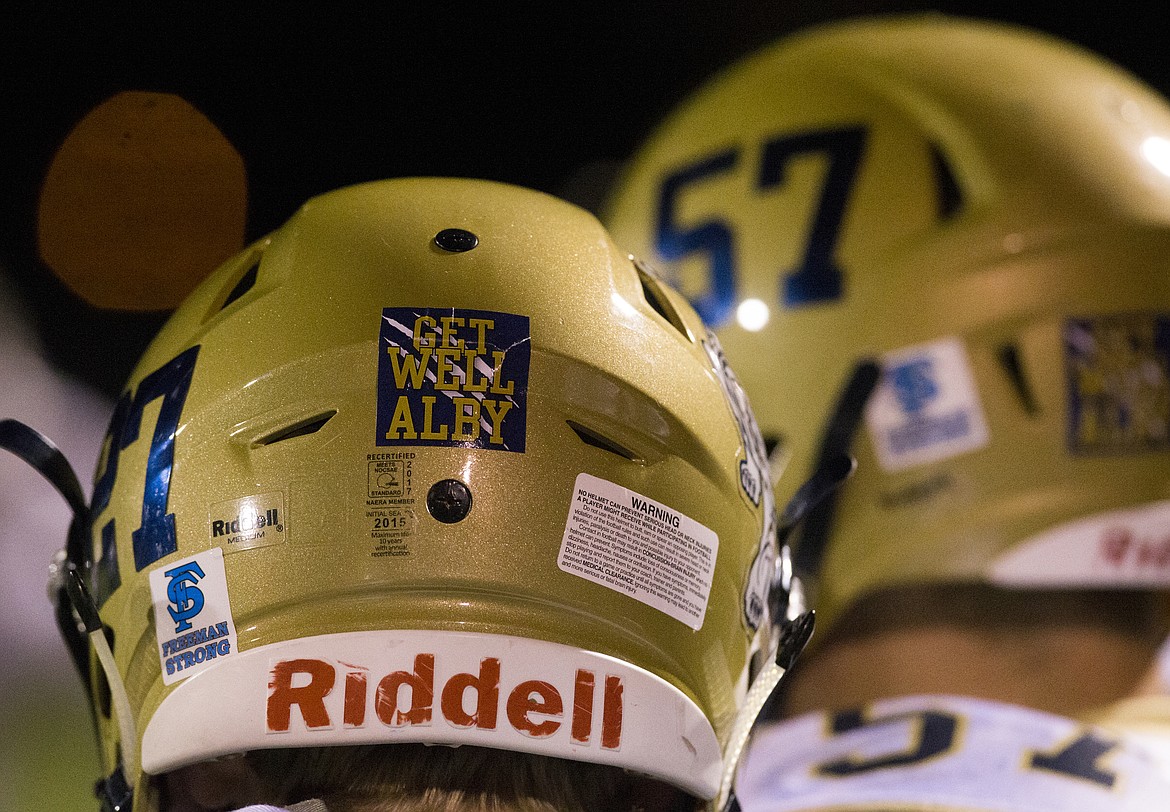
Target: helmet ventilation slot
[(1009, 358), (298, 429), (950, 195), (659, 301), (590, 437), (245, 283)]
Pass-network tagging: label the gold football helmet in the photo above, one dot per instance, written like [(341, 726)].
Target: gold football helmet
[(433, 462), (955, 234)]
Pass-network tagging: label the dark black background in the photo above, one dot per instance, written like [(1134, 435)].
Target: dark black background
[(317, 96)]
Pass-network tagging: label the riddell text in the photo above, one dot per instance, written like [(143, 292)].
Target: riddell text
[(535, 708)]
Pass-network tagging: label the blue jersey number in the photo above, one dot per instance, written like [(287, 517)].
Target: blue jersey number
[(155, 536), (674, 242), (817, 278), (1080, 758), (933, 733)]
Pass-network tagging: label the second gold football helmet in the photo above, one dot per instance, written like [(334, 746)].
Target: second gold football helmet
[(942, 244)]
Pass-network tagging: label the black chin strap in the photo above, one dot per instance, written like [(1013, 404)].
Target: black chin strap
[(811, 508), (836, 442), (793, 621), (46, 459), (114, 793), (67, 574)]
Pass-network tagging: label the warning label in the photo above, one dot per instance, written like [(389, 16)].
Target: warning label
[(639, 547)]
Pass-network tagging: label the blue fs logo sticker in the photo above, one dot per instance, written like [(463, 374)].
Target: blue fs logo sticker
[(194, 589), (926, 408), (452, 377), (186, 599), (914, 384)]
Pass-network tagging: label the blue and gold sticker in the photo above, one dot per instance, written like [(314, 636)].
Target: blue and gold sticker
[(1118, 370), (926, 407), (192, 615), (453, 377)]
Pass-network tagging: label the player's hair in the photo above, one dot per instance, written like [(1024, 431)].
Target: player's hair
[(418, 778), (1042, 648), (1134, 613)]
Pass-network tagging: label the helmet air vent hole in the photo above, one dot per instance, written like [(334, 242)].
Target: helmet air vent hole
[(659, 301), (297, 429), (456, 240), (246, 283), (950, 196), (590, 437), (772, 442), (1009, 358)]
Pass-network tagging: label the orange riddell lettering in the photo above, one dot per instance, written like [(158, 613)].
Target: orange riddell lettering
[(534, 708), (1115, 544), (354, 711), (422, 694), (487, 690), (1154, 554), (309, 698), (582, 706), (534, 696), (611, 713)]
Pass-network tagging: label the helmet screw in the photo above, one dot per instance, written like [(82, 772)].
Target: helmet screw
[(449, 501), (456, 240)]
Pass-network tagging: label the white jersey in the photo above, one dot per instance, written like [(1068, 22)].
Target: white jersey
[(945, 753)]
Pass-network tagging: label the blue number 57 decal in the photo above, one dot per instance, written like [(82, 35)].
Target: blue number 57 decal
[(816, 278), (155, 536)]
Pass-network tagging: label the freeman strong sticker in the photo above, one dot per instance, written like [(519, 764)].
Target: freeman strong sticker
[(926, 407), (192, 615), (452, 377), (1118, 370)]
